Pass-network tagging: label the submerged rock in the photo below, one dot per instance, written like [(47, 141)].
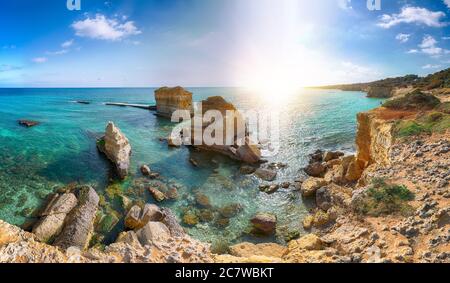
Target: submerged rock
[(52, 221), (78, 229), (117, 148), (157, 194), (266, 174), (28, 123), (264, 224)]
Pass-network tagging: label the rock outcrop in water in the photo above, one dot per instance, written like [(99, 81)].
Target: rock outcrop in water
[(239, 150), (117, 149), (169, 100)]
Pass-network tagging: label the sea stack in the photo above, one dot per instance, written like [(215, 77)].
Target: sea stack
[(168, 100), (117, 148), (245, 152)]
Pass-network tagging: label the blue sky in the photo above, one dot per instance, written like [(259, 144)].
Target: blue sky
[(219, 42)]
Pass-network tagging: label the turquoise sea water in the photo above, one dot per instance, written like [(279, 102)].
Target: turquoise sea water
[(34, 162)]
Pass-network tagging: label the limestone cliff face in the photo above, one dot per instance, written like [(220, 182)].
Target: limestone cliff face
[(169, 100), (379, 91), (374, 139)]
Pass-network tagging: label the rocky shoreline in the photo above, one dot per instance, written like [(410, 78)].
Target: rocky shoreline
[(388, 203)]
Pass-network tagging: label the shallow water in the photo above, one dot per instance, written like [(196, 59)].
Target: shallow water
[(34, 162)]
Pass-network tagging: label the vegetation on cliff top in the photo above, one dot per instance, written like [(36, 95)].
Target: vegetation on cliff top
[(415, 100), (383, 198), (437, 80)]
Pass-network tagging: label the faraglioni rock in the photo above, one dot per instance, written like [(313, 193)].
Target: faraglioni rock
[(117, 148), (168, 100), (79, 224), (241, 150)]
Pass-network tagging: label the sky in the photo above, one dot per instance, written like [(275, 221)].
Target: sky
[(251, 43)]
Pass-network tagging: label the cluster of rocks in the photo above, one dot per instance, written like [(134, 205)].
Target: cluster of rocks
[(168, 100), (68, 219)]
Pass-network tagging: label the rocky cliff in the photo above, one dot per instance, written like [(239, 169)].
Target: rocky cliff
[(374, 139), (169, 100)]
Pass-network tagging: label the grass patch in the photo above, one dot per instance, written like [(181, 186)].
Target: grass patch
[(434, 122), (383, 198), (414, 100)]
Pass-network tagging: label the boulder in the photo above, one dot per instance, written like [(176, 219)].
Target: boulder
[(171, 221), (247, 170), (153, 232), (264, 224), (117, 149), (168, 100), (309, 242), (311, 185), (151, 212), (316, 169), (133, 218), (79, 225), (331, 155), (52, 221), (266, 174), (323, 199), (317, 156), (145, 170), (157, 194), (249, 153)]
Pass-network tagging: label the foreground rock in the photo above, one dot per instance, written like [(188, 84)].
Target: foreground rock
[(117, 148), (53, 217), (79, 226), (168, 100)]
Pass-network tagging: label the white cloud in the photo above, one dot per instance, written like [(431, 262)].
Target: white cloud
[(403, 37), (428, 46), (40, 60), (430, 66), (345, 4), (447, 2), (59, 52), (446, 37), (103, 28), (412, 51), (411, 15), (7, 68), (67, 43)]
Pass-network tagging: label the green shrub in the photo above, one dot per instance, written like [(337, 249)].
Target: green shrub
[(382, 198), (409, 128), (414, 100), (434, 122)]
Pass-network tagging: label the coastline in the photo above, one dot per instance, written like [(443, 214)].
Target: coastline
[(337, 235)]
